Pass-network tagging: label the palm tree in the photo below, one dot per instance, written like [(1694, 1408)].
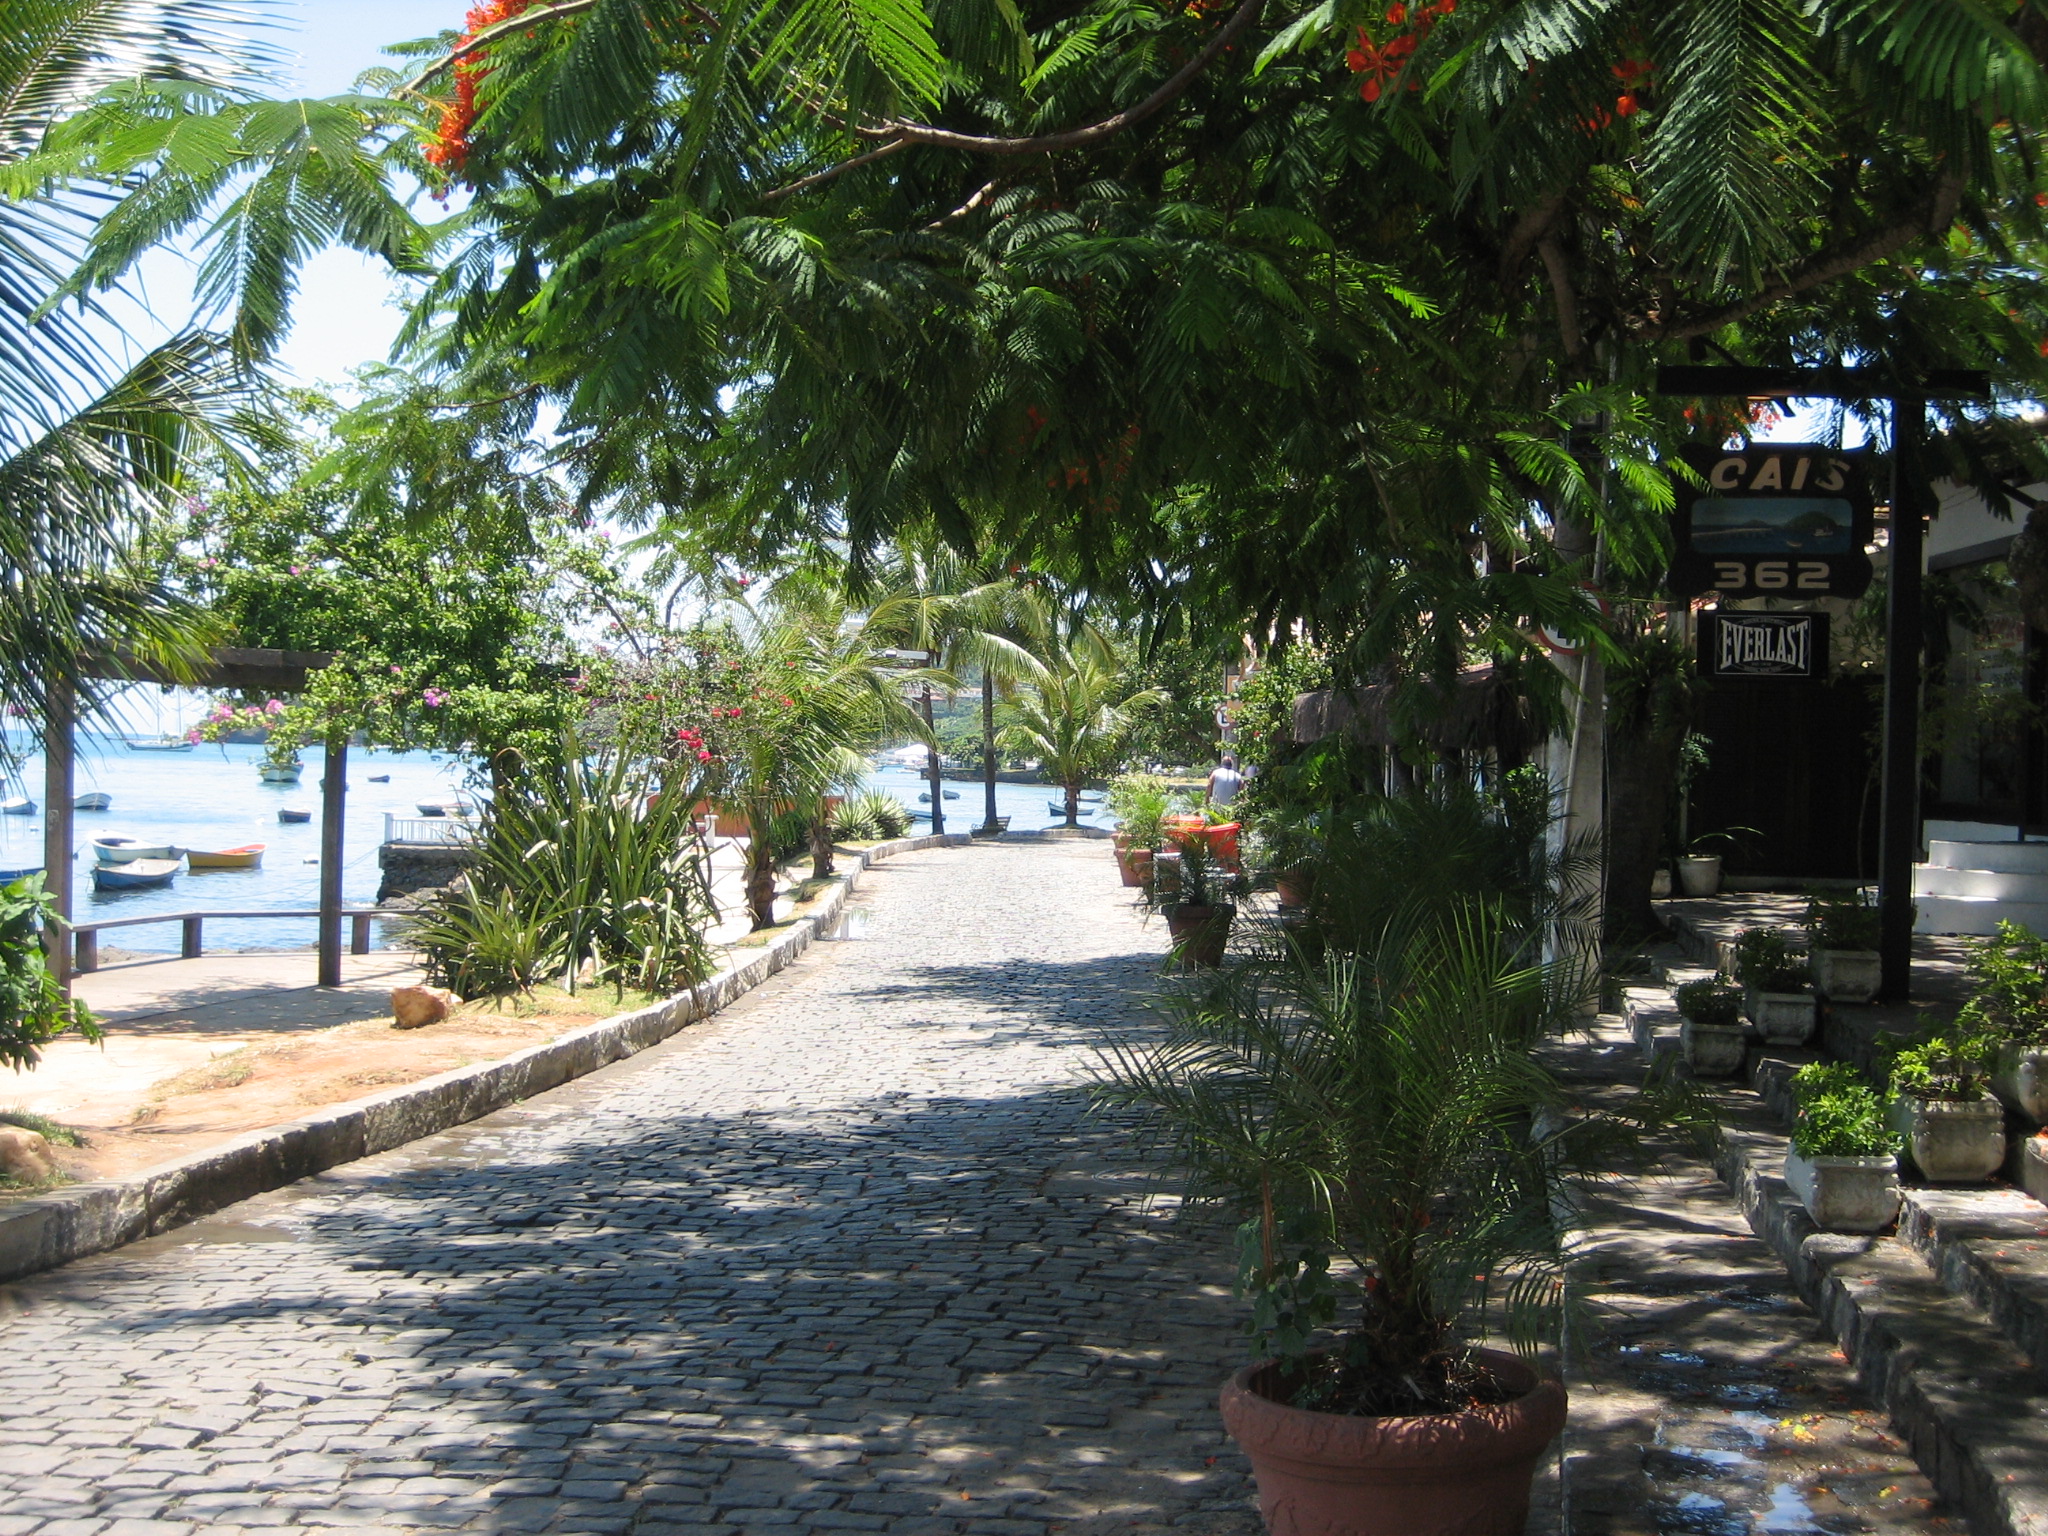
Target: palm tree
[(88, 449), (1072, 720)]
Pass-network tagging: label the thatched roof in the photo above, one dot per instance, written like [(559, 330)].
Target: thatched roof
[(1484, 711)]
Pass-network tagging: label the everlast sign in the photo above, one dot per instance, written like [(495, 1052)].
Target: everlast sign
[(1782, 645), (1788, 520)]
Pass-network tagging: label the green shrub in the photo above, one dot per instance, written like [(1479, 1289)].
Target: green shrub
[(1943, 1067), (1840, 1115), (1710, 1001), (33, 1008), (1764, 960), (1138, 801), (579, 863), (1841, 922), (2010, 1003), (870, 816)]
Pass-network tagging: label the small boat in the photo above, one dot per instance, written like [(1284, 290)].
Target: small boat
[(9, 876), (292, 815), (443, 808), (280, 773), (158, 744), (17, 805), (94, 800), (135, 875), (125, 850), (250, 856), (950, 794), (1083, 808), (380, 778)]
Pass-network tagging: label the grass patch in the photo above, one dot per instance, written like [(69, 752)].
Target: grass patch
[(229, 1071), (50, 1130), (599, 999)]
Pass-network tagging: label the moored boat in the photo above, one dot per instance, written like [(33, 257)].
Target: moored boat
[(158, 744), (249, 856), (17, 805), (93, 800), (289, 814), (280, 773), (1081, 808), (125, 850), (380, 778), (135, 874), (9, 876)]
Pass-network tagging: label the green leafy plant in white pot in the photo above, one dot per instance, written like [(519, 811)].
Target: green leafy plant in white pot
[(1699, 867), (1942, 1104), (1774, 981), (1843, 1161), (1712, 1036), (2009, 1004), (1841, 944)]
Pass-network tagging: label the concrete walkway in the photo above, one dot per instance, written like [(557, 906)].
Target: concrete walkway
[(850, 1256)]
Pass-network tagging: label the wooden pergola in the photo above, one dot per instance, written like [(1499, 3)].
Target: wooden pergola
[(227, 667)]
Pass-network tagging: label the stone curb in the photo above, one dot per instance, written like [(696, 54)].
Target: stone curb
[(53, 1229)]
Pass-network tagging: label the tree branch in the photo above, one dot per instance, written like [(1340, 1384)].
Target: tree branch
[(1934, 216), (1561, 292), (490, 35), (981, 196), (1532, 226), (897, 136)]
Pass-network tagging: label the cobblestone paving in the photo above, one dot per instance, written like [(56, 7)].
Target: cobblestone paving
[(849, 1257)]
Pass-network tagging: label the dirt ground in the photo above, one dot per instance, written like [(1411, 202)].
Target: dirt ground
[(133, 1126)]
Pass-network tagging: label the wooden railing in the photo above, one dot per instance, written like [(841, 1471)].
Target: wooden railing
[(85, 937)]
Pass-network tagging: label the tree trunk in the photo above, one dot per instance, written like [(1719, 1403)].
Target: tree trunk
[(931, 757), (988, 750), (760, 865), (1074, 803), (1641, 765), (821, 846)]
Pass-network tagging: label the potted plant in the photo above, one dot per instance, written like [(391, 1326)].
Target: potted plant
[(1712, 1036), (1841, 942), (1288, 843), (1196, 914), (2010, 1005), (1367, 1116), (1842, 1163), (1138, 801), (1942, 1105), (1699, 867), (1774, 987)]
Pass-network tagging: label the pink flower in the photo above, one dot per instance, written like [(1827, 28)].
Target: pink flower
[(274, 707), (398, 671), (703, 756), (298, 570), (433, 698)]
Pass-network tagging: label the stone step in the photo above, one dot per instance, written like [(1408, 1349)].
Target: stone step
[(1970, 1404), (2007, 857), (1976, 914), (1990, 884), (1990, 1246)]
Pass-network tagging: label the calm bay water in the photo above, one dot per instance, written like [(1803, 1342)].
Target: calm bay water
[(211, 797)]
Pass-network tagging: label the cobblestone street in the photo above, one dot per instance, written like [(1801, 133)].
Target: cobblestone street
[(849, 1256)]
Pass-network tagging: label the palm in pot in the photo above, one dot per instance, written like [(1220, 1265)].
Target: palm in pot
[(1380, 1125)]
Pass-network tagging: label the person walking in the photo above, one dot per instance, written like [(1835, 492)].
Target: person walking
[(1225, 781)]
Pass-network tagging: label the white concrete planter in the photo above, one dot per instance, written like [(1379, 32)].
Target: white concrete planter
[(1712, 1050), (1660, 883), (2022, 1082), (1952, 1141), (1848, 975), (1845, 1194), (1700, 874), (1782, 1018)]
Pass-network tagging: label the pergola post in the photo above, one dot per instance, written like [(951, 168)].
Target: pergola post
[(59, 715), (333, 796)]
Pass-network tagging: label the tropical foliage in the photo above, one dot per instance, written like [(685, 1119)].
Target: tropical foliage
[(1076, 721), (581, 865), (33, 1008)]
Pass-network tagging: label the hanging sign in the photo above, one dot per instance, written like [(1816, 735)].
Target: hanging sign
[(1777, 520), (1774, 645)]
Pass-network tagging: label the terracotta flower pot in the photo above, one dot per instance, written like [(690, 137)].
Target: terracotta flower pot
[(1435, 1474), (1201, 932), (1126, 862), (1292, 888), (1141, 865)]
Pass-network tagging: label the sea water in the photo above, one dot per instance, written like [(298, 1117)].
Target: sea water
[(212, 798)]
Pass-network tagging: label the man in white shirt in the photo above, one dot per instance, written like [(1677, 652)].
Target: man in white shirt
[(1225, 781)]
